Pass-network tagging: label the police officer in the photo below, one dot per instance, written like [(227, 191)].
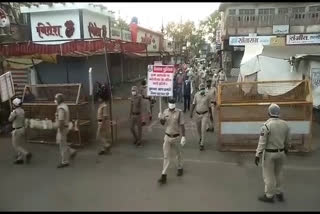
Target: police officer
[(201, 103), (215, 79), (222, 76), (273, 146), (62, 119), (146, 103), (211, 91), (174, 120), (103, 131), (18, 133), (135, 115)]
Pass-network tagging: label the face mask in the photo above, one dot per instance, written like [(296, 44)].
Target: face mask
[(134, 93), (172, 106), (202, 92)]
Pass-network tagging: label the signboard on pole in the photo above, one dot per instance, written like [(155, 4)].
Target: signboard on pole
[(160, 80), (6, 87)]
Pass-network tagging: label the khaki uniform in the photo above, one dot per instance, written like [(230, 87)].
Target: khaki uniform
[(202, 105), (222, 77), (103, 131), (146, 104), (215, 80), (275, 134), (135, 116), (64, 115), (212, 96), (18, 134), (174, 119)]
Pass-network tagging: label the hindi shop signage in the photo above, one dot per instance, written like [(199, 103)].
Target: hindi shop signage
[(95, 25), (301, 39), (280, 29), (151, 39), (246, 40), (160, 80), (61, 25)]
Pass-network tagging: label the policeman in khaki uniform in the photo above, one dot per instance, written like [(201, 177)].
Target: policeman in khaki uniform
[(201, 103), (103, 131), (211, 91), (62, 119), (135, 115), (174, 120), (222, 76), (273, 146), (18, 133)]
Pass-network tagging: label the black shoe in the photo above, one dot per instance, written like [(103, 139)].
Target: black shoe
[(280, 197), (18, 161), (139, 144), (102, 152), (135, 142), (201, 147), (62, 165), (264, 198), (73, 155), (163, 179), (143, 123), (28, 157), (150, 118), (180, 172)]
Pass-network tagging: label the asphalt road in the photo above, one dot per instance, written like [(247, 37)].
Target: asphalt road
[(126, 180)]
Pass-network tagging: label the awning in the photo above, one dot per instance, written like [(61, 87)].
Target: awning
[(73, 48)]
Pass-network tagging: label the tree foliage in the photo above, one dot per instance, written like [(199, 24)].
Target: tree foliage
[(210, 24), (121, 24)]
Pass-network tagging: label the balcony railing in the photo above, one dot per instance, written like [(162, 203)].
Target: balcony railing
[(311, 18)]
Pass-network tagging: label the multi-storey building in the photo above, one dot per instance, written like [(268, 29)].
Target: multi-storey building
[(269, 23)]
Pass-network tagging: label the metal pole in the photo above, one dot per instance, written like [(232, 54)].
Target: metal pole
[(109, 83)]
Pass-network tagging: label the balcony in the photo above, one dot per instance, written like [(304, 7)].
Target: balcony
[(311, 18)]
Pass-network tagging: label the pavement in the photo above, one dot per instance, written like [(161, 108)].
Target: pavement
[(126, 180)]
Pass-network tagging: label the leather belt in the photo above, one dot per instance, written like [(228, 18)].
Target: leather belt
[(18, 128), (274, 150), (135, 113), (202, 112), (173, 136)]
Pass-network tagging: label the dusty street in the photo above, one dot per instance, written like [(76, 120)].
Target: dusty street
[(126, 180)]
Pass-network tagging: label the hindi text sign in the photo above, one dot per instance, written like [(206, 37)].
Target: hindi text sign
[(160, 80)]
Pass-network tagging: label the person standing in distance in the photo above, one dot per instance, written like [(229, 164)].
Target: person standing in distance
[(201, 103), (18, 134), (273, 146), (186, 94), (62, 119), (135, 115), (174, 120)]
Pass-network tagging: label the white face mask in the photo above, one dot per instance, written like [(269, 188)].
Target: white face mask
[(134, 93), (172, 106)]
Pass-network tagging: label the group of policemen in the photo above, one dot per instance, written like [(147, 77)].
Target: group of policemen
[(272, 147), (62, 115)]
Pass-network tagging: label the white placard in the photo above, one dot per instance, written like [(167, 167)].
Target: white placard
[(6, 87), (160, 80), (280, 29), (246, 40), (298, 39)]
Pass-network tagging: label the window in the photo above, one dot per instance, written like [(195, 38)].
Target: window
[(283, 11), (298, 10), (246, 11), (314, 9), (267, 11), (232, 12)]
